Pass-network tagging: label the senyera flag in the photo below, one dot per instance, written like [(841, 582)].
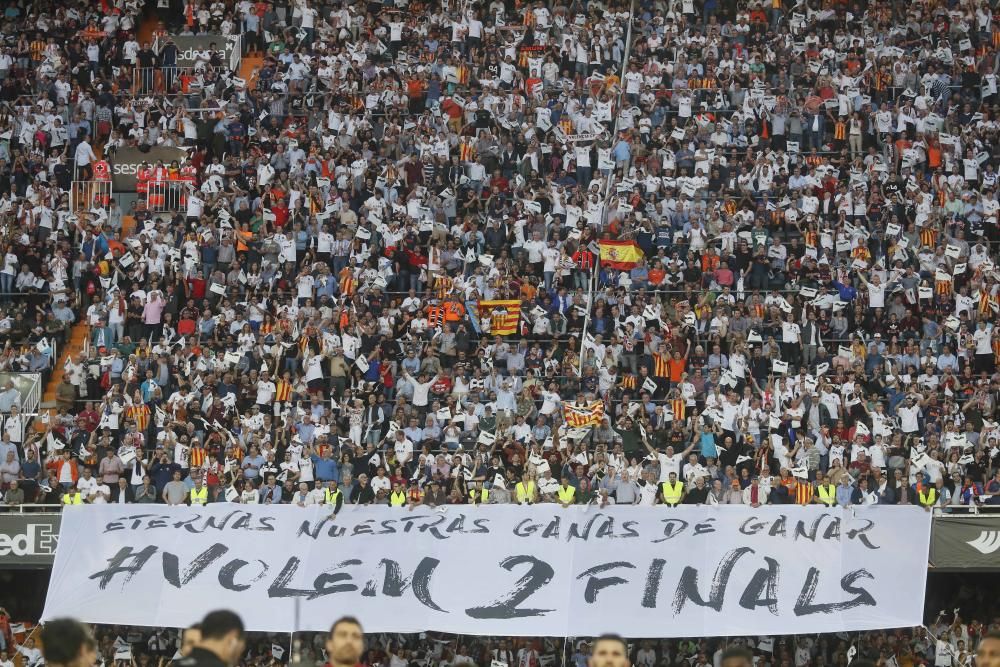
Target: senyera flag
[(503, 316), (622, 255), (578, 416)]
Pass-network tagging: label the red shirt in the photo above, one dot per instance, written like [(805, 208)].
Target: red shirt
[(91, 419), (197, 286)]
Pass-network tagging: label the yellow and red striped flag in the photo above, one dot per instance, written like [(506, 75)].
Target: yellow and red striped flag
[(579, 416), (503, 315)]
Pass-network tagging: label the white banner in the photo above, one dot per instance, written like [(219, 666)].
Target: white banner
[(498, 570)]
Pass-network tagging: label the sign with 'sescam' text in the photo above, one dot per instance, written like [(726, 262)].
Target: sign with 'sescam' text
[(499, 570)]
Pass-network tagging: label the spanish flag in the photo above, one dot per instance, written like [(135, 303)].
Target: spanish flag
[(622, 255), (578, 416), (503, 316)]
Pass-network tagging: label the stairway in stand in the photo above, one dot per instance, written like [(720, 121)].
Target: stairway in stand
[(146, 29), (78, 334), (249, 66)]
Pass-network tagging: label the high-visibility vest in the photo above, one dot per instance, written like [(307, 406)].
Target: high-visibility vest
[(75, 499), (827, 494), (567, 494), (929, 498), (199, 497), (484, 494), (397, 498), (525, 492), (672, 495), (331, 496)]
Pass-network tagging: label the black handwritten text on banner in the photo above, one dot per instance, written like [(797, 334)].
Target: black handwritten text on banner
[(539, 570)]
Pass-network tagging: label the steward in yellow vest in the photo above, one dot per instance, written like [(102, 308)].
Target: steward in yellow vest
[(479, 495), (928, 497), (672, 491), (566, 493), (826, 494), (333, 496), (398, 496), (525, 491), (72, 498), (199, 496)]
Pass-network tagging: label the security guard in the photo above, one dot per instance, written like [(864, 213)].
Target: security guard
[(478, 495), (72, 497), (332, 496), (672, 491), (928, 496), (526, 492), (398, 496), (566, 493), (826, 493), (199, 494)]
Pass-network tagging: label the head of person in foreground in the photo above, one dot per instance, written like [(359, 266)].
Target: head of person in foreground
[(67, 642), (346, 642)]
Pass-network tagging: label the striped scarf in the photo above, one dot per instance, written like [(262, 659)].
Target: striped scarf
[(928, 237), (661, 367)]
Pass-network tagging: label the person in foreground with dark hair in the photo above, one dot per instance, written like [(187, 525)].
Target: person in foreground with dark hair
[(346, 642), (190, 639), (737, 657), (68, 643), (609, 651), (988, 654), (222, 642)]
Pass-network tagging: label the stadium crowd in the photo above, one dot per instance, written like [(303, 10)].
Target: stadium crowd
[(439, 252)]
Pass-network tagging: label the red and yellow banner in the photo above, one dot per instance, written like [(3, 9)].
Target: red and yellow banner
[(621, 255), (503, 316), (578, 416)]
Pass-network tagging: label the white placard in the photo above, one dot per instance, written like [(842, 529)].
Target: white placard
[(538, 570)]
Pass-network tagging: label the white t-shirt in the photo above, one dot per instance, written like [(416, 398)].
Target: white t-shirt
[(86, 486), (551, 257), (381, 483), (305, 284), (647, 494), (908, 418), (790, 332), (265, 392), (97, 497), (876, 296), (984, 341), (669, 464)]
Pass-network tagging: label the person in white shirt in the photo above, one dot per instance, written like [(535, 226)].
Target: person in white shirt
[(983, 337), (876, 291), (100, 494), (83, 157), (669, 461), (648, 490), (421, 389), (265, 391), (403, 447), (87, 484), (380, 482)]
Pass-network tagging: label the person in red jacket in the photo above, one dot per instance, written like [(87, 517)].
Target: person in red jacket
[(66, 470)]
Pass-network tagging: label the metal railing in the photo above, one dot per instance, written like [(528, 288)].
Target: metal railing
[(29, 508), (29, 386), (89, 195), (159, 80), (166, 196)]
